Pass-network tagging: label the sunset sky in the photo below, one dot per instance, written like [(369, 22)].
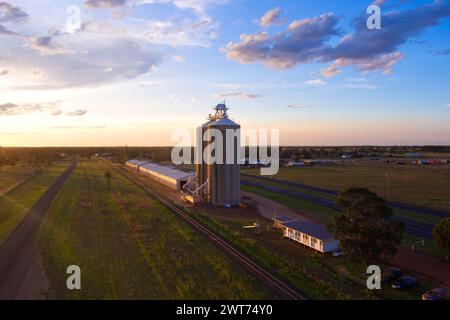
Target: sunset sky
[(135, 70)]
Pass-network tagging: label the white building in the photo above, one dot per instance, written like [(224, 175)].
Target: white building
[(311, 234)]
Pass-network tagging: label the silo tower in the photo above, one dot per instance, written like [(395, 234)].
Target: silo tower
[(223, 188)]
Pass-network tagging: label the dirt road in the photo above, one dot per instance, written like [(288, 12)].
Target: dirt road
[(21, 276)]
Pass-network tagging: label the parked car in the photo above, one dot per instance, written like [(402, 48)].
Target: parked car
[(404, 282), (390, 274), (434, 294)]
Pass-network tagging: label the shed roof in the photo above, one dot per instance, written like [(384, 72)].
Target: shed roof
[(167, 171), (137, 162), (284, 219), (310, 228)]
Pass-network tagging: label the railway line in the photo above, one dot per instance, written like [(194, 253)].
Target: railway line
[(272, 281)]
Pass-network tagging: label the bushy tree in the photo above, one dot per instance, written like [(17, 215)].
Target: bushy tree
[(364, 228), (441, 235)]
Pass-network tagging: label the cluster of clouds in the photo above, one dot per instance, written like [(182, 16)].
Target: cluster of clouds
[(53, 108), (239, 94), (310, 40), (103, 49)]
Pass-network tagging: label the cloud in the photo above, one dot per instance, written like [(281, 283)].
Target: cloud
[(104, 4), (9, 13), (296, 106), (302, 42), (236, 94), (76, 127), (12, 15), (271, 17), (77, 113), (12, 109), (444, 52), (148, 84), (46, 46), (309, 40), (56, 112), (315, 82), (4, 72), (179, 58), (102, 51)]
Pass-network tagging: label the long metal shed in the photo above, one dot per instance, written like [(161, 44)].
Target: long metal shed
[(135, 164), (170, 177)]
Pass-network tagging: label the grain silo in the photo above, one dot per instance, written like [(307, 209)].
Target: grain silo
[(223, 187)]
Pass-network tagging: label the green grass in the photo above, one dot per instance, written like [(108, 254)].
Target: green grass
[(129, 246), (16, 203), (12, 176), (316, 275), (306, 204), (420, 185), (316, 212), (325, 215)]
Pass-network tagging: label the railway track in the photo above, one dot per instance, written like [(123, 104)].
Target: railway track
[(249, 264)]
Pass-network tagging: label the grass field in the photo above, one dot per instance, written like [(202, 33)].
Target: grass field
[(325, 215), (129, 246), (317, 275), (16, 203), (420, 185), (12, 176)]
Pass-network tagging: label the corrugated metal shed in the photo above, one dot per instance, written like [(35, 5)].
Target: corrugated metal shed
[(136, 162), (283, 219), (167, 171), (310, 228)]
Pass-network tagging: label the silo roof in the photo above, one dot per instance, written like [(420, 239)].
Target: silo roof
[(224, 122)]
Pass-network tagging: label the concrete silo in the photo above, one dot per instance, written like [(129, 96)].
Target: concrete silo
[(223, 187)]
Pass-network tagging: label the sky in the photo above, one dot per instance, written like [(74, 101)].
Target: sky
[(131, 72)]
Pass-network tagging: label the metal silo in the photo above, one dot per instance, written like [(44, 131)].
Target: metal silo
[(202, 175), (224, 178)]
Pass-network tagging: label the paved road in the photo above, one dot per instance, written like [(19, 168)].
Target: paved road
[(21, 276), (394, 204), (413, 227)]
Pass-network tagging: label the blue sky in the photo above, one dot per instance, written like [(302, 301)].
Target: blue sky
[(133, 71)]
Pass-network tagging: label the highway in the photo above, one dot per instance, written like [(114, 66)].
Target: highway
[(393, 204), (273, 282), (413, 227)]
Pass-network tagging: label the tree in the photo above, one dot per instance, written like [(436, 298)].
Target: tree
[(108, 178), (364, 228), (441, 234)]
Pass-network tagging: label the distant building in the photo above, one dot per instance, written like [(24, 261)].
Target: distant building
[(311, 234), (413, 155)]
